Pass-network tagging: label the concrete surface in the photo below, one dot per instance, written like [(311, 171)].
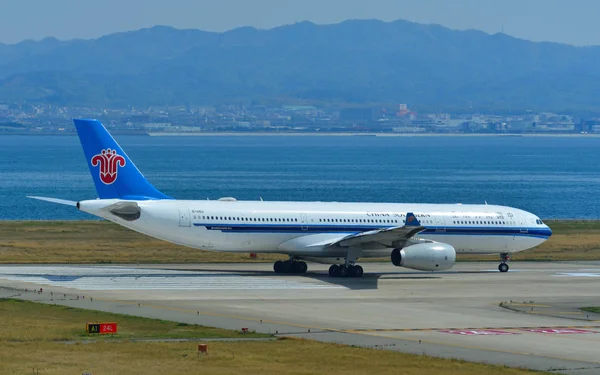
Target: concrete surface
[(453, 314)]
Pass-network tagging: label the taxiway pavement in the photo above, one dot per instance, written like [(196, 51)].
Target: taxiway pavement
[(454, 314)]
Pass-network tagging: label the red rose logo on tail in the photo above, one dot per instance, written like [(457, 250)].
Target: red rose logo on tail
[(109, 163)]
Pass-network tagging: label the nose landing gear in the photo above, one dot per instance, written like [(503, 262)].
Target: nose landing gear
[(503, 267)]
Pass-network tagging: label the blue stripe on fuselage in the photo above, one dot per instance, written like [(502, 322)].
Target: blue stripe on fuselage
[(296, 228)]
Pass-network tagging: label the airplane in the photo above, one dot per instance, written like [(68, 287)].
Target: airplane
[(423, 237)]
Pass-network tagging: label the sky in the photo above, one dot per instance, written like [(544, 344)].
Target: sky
[(564, 21)]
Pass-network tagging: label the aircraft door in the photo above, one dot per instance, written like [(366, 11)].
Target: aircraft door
[(440, 225), (523, 224), (304, 222), (184, 217)]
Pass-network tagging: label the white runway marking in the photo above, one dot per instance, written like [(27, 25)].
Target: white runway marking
[(579, 274), (121, 278)]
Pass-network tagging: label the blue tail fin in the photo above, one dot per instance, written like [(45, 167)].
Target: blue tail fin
[(113, 172), (411, 220)]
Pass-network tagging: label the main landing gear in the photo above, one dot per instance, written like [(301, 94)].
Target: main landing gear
[(503, 267), (349, 268), (345, 271), (290, 266)]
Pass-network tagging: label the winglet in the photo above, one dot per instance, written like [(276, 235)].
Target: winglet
[(411, 220)]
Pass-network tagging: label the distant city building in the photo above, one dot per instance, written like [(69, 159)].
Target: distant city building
[(357, 114)]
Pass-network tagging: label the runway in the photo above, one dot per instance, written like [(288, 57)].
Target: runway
[(455, 314)]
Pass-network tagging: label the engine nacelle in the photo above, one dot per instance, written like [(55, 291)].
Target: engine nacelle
[(425, 257)]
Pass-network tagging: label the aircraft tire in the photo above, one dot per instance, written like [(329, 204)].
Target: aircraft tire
[(303, 267), (298, 267), (334, 270), (357, 271), (343, 271), (278, 267), (503, 267)]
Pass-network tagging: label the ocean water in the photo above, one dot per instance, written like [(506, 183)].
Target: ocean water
[(554, 177)]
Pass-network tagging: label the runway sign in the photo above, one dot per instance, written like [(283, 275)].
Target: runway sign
[(478, 332), (560, 331), (101, 328)]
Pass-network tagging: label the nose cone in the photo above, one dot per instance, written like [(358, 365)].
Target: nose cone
[(548, 231)]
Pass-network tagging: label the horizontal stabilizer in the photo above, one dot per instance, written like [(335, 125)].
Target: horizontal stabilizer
[(55, 200)]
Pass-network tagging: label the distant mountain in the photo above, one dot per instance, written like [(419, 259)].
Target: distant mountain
[(353, 62)]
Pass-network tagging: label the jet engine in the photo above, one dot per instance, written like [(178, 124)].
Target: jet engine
[(432, 256)]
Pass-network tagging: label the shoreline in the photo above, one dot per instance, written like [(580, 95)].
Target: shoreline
[(315, 134)]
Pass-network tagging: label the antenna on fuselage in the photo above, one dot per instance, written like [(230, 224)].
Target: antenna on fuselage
[(260, 199), (485, 203)]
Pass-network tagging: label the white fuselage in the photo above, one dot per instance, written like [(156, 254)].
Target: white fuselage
[(298, 228)]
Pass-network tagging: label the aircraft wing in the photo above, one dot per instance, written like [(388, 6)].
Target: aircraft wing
[(388, 237)]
